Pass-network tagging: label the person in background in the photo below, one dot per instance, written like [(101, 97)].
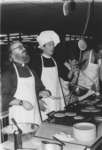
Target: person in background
[(67, 55), (89, 69), (99, 60), (46, 67), (21, 87)]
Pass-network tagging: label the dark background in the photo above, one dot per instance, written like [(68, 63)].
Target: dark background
[(32, 18), (36, 17)]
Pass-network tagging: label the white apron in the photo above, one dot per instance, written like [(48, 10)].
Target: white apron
[(89, 76), (51, 81), (25, 91)]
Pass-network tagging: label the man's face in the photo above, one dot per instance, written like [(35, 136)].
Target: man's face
[(48, 48), (18, 53)]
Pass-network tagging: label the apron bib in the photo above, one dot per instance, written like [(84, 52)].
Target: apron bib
[(25, 91), (50, 80), (89, 76)]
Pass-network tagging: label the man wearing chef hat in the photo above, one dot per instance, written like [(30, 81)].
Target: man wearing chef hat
[(21, 87), (46, 68)]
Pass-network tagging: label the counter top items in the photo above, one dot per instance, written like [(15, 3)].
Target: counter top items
[(70, 114), (59, 115), (45, 133), (84, 133), (99, 105), (90, 110), (64, 137), (79, 117), (25, 127)]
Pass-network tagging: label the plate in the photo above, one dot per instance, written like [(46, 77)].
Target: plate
[(70, 114), (25, 127)]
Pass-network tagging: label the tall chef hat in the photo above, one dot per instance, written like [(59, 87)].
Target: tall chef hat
[(48, 36)]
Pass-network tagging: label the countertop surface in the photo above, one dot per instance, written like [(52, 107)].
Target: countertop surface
[(44, 133)]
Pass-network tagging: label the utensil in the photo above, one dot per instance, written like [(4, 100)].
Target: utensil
[(62, 143), (78, 90), (15, 123)]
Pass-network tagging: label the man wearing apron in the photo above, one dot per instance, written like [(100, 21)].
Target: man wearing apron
[(99, 60), (49, 75), (89, 76), (23, 100)]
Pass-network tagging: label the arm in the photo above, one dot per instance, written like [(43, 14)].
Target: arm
[(8, 88)]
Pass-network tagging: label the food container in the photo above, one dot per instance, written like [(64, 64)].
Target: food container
[(59, 117), (98, 120), (25, 127), (84, 133), (46, 145)]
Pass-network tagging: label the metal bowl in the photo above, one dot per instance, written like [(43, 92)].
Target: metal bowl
[(78, 90), (25, 127)]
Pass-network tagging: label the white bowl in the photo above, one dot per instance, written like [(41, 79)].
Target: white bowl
[(84, 133)]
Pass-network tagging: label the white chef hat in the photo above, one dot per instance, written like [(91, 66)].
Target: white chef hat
[(48, 36), (82, 44)]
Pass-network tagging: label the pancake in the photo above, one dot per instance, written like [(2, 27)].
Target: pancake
[(90, 107), (98, 118), (70, 114), (95, 110), (59, 115), (99, 105), (79, 117), (85, 110)]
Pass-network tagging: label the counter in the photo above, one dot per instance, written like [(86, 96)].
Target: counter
[(45, 133)]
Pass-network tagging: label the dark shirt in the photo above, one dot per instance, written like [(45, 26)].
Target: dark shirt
[(23, 70), (9, 83), (48, 62)]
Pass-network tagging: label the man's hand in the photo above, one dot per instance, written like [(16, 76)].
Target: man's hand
[(14, 102), (27, 105), (44, 94), (42, 105)]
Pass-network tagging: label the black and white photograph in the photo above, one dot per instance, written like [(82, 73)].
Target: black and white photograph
[(50, 74)]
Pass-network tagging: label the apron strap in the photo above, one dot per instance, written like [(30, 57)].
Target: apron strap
[(90, 56)]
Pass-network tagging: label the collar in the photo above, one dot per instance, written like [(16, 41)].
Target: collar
[(18, 64), (46, 56)]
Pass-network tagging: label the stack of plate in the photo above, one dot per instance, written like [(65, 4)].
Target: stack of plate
[(84, 133)]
